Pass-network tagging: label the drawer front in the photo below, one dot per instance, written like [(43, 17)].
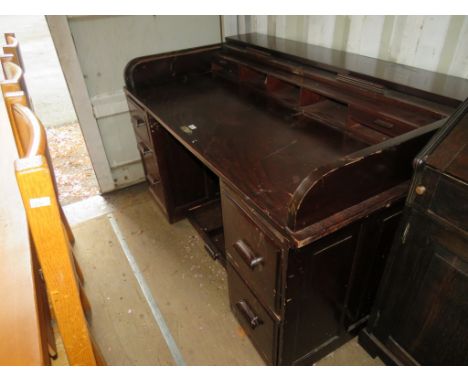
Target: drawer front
[(380, 123), (150, 165), (251, 252), (254, 319), (139, 122)]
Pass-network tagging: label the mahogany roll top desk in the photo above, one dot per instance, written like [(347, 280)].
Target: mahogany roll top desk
[(292, 162)]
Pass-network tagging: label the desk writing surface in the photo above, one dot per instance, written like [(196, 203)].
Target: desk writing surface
[(264, 154)]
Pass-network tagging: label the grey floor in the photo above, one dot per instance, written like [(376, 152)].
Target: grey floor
[(189, 288)]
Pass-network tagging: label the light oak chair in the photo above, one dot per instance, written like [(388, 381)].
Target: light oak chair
[(5, 57), (13, 77), (22, 140), (35, 181), (14, 91), (12, 55), (12, 47)]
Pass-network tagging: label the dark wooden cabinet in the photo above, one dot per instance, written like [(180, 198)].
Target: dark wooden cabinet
[(421, 314), (329, 286), (293, 163)]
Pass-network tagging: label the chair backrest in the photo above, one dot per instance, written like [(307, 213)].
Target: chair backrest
[(31, 132), (13, 81), (13, 68), (38, 191), (32, 137), (25, 125), (5, 58), (15, 98), (12, 47)]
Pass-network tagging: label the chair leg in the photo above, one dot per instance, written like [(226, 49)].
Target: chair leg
[(44, 309), (71, 237), (85, 303), (53, 251), (52, 346), (100, 361), (79, 272)]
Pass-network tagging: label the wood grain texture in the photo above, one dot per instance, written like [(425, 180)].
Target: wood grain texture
[(256, 121), (13, 67), (13, 76), (21, 339), (12, 47), (420, 315), (313, 162), (52, 246), (32, 140), (33, 145)]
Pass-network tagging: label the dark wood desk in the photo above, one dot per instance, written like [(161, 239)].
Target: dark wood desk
[(293, 170)]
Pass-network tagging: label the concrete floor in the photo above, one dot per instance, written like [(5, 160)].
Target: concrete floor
[(189, 288)]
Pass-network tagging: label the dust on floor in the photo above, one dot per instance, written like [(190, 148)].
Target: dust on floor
[(73, 170), (189, 288)]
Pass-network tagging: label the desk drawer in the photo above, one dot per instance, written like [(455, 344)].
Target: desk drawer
[(139, 122), (254, 319), (251, 252)]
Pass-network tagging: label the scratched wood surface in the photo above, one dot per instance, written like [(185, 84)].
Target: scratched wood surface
[(282, 157)]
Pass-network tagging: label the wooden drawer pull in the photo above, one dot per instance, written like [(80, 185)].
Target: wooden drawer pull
[(246, 253), (248, 314)]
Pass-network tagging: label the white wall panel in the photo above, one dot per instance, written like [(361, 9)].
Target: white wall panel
[(459, 63), (104, 45)]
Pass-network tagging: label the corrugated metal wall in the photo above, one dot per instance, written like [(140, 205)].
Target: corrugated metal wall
[(438, 43)]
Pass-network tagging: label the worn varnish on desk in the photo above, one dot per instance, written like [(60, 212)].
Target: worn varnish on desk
[(309, 164)]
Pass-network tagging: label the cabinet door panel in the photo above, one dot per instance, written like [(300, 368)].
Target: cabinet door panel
[(317, 280), (425, 310), (375, 242)]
